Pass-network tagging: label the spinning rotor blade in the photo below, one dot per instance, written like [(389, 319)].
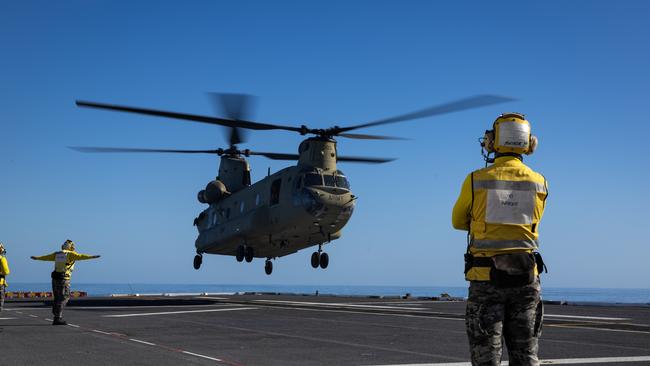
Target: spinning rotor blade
[(458, 105), (190, 117), (89, 149), (369, 137), (236, 107), (275, 156), (358, 159), (350, 159)]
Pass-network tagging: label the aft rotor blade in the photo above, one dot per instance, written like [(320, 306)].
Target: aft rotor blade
[(276, 156), (90, 149), (458, 105), (237, 107), (189, 117), (356, 159), (369, 137)]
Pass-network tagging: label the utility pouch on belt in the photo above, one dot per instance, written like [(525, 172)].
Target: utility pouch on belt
[(541, 266), (512, 270), (57, 275)]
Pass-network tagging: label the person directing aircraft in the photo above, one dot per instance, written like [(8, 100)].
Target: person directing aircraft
[(64, 261)]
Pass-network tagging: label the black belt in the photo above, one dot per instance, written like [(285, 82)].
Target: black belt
[(482, 262)]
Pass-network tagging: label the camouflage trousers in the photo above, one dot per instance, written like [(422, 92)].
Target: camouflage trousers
[(61, 293), (2, 297), (514, 314)]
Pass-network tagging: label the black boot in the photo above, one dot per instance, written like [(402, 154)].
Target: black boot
[(59, 321)]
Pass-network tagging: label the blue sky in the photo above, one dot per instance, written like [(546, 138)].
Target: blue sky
[(578, 69)]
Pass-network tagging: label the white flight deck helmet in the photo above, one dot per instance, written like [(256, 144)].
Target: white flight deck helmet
[(2, 249), (510, 135)]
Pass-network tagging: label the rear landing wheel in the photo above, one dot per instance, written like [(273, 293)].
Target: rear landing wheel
[(240, 253), (198, 259), (249, 254), (315, 259), (268, 267), (324, 260)]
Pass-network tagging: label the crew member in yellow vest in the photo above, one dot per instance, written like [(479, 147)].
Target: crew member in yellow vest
[(4, 271), (501, 206), (63, 266)]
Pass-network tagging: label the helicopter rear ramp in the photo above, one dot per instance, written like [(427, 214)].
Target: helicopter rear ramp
[(264, 329)]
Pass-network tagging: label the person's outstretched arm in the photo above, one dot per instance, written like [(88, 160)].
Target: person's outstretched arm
[(82, 257), (49, 257)]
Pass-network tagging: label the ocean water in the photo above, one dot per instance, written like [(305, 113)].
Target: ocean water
[(571, 295)]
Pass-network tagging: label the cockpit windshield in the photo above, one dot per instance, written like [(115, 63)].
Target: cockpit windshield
[(329, 180), (312, 179), (342, 182)]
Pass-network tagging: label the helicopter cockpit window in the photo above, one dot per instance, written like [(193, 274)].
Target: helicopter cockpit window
[(312, 179), (342, 182), (329, 180)]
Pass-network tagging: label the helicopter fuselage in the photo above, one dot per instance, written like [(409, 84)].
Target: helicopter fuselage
[(292, 209)]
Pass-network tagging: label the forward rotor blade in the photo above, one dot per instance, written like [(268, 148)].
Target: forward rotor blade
[(356, 159), (90, 149), (189, 117), (458, 105), (369, 137)]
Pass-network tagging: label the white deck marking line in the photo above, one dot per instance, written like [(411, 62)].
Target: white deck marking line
[(74, 325), (595, 328), (559, 361), (331, 304), (202, 356), (101, 332), (143, 342), (7, 318), (583, 317), (49, 320), (374, 314), (175, 312), (33, 316)]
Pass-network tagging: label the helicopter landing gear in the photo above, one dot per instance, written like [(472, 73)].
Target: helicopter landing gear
[(249, 254), (198, 259), (324, 260), (315, 259), (268, 267), (241, 251), (320, 258)]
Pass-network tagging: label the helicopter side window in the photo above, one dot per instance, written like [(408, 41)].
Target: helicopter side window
[(342, 182), (312, 179), (329, 180), (275, 191)]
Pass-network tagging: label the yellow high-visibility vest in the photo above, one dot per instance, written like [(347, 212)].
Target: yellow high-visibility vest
[(506, 204)]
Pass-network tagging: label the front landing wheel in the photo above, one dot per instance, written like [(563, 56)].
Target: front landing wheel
[(198, 259), (268, 267)]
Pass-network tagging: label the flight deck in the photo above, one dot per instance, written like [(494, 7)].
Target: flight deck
[(287, 329)]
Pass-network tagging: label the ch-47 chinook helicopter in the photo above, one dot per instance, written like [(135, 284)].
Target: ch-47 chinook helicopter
[(297, 207)]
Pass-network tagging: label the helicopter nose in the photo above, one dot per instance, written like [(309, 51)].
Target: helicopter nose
[(318, 203)]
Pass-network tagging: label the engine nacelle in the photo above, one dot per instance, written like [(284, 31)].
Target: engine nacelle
[(213, 192)]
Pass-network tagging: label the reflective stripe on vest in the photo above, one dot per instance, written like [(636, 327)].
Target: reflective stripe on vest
[(504, 244), (510, 185)]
